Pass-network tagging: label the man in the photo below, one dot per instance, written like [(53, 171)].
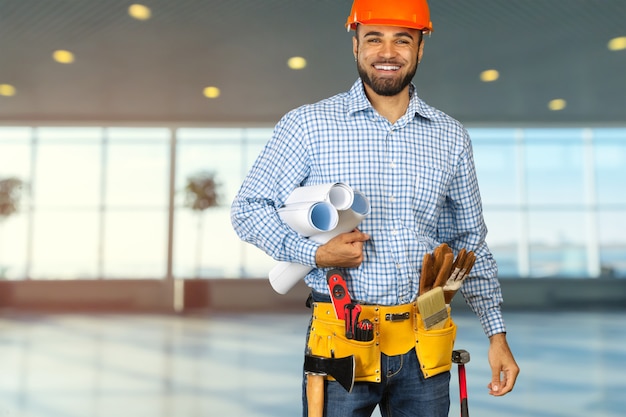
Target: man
[(415, 165)]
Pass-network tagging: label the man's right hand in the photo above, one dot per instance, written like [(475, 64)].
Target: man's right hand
[(342, 251)]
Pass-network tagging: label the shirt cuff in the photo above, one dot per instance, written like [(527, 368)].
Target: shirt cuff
[(492, 322), (303, 250)]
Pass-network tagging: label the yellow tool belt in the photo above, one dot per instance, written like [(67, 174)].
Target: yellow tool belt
[(397, 329)]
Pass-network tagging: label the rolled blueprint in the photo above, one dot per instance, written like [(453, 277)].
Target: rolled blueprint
[(348, 219), (286, 274), (338, 194), (310, 218)]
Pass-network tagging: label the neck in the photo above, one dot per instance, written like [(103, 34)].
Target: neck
[(390, 107)]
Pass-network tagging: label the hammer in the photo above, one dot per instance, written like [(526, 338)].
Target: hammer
[(316, 368), (461, 357)]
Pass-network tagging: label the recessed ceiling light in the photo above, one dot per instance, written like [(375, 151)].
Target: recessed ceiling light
[(617, 44), (489, 75), (296, 63), (211, 92), (7, 90), (139, 12), (62, 56), (557, 104)]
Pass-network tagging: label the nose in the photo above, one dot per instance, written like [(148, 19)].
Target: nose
[(387, 50)]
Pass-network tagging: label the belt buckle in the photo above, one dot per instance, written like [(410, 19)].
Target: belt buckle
[(397, 316)]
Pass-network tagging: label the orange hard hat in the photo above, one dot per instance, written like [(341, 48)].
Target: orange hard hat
[(404, 13)]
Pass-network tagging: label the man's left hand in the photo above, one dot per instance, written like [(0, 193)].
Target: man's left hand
[(504, 369)]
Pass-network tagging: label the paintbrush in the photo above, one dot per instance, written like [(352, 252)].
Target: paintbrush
[(432, 308)]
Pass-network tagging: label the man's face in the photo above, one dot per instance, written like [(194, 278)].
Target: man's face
[(387, 57)]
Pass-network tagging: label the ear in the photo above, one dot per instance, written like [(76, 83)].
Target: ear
[(355, 47)]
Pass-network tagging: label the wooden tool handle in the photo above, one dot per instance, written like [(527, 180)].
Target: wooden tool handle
[(315, 395)]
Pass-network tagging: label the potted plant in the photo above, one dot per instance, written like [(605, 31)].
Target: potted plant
[(201, 192), (10, 194)]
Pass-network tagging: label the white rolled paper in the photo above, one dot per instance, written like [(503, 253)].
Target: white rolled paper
[(338, 194), (348, 219), (286, 274), (310, 218)]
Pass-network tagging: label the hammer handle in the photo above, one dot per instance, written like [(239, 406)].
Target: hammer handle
[(315, 395), (463, 391)]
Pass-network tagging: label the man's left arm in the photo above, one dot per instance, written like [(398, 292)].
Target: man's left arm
[(462, 226)]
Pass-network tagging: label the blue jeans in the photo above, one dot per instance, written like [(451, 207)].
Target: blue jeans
[(402, 392)]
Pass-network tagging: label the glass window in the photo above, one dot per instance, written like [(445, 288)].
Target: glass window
[(137, 168), (558, 243), (15, 163), (496, 160), (136, 202), (135, 244), (503, 239), (15, 155), (67, 168), (13, 246), (214, 152), (96, 201), (205, 242), (554, 166), (65, 244), (66, 195), (610, 166), (611, 233)]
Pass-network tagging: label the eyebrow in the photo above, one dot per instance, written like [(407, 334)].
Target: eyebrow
[(395, 35)]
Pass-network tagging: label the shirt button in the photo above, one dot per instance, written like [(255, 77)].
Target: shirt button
[(392, 199), (394, 232), (398, 266), (392, 164)]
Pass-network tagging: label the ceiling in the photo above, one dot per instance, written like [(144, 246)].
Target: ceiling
[(154, 71)]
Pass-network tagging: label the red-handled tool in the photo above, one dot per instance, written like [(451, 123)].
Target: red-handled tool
[(338, 292), (461, 357), (352, 312)]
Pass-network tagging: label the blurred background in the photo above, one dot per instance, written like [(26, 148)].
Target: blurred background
[(126, 129)]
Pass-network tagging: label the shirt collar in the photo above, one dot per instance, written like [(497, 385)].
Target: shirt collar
[(359, 102)]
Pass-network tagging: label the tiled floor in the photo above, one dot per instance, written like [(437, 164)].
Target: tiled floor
[(573, 365)]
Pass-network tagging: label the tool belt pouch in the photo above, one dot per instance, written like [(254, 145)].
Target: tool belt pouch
[(434, 347), (327, 339)]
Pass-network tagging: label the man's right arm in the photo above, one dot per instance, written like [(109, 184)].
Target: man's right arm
[(281, 166)]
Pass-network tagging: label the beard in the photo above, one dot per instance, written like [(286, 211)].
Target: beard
[(386, 86)]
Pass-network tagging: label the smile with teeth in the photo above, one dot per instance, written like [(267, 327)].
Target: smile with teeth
[(387, 67)]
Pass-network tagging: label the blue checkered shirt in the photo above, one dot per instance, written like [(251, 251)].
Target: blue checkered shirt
[(418, 175)]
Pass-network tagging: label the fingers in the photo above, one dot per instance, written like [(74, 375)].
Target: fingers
[(495, 386), (436, 268), (460, 259), (355, 236), (427, 277), (342, 251), (445, 269), (468, 262), (441, 269), (500, 384), (438, 256), (448, 295)]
